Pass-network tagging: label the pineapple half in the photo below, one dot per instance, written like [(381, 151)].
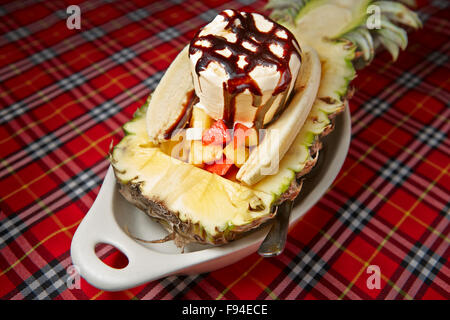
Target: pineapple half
[(195, 205)]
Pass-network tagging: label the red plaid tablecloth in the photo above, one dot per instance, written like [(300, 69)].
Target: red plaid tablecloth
[(64, 95)]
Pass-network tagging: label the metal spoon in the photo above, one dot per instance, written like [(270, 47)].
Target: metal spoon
[(275, 240)]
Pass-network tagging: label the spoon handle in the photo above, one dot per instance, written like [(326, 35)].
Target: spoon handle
[(275, 240)]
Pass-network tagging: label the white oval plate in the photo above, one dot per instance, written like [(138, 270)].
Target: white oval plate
[(111, 213)]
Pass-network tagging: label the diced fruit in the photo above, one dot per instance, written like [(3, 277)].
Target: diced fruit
[(200, 153), (200, 118), (217, 134), (220, 169), (243, 135), (195, 204), (193, 134), (196, 153), (212, 153), (237, 155)]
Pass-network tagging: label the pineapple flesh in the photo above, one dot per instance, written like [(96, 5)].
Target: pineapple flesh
[(318, 24), (194, 204), (198, 206)]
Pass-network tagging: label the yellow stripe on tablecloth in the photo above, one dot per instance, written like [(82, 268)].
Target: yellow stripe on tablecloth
[(393, 230), (345, 173), (60, 109), (419, 105), (385, 136), (242, 276), (264, 288), (356, 257), (105, 45), (63, 229), (59, 165), (362, 157), (39, 201), (404, 148), (392, 203)]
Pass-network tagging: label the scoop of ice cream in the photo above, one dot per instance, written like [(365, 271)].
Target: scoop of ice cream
[(244, 67)]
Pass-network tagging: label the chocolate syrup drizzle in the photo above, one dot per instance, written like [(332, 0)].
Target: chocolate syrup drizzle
[(239, 78), (184, 116)]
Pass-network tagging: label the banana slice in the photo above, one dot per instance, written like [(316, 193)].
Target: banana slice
[(170, 99), (278, 136)]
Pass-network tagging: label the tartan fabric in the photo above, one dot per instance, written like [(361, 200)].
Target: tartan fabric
[(65, 94)]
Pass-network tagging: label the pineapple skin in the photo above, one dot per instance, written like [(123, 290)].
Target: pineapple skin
[(182, 232)]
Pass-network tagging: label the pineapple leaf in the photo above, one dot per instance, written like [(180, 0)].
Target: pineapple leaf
[(391, 46), (409, 3), (394, 37), (398, 13), (285, 10), (398, 35), (390, 35), (363, 40)]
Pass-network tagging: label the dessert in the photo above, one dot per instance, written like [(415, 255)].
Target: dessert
[(197, 156)]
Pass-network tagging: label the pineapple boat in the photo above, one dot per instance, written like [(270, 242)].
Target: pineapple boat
[(236, 121)]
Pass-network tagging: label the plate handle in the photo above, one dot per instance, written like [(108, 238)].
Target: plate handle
[(100, 226)]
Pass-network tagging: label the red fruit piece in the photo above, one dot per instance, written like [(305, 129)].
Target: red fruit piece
[(217, 134), (232, 172), (239, 134), (244, 136), (219, 168)]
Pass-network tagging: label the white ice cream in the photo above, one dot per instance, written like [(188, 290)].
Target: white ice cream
[(209, 83)]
